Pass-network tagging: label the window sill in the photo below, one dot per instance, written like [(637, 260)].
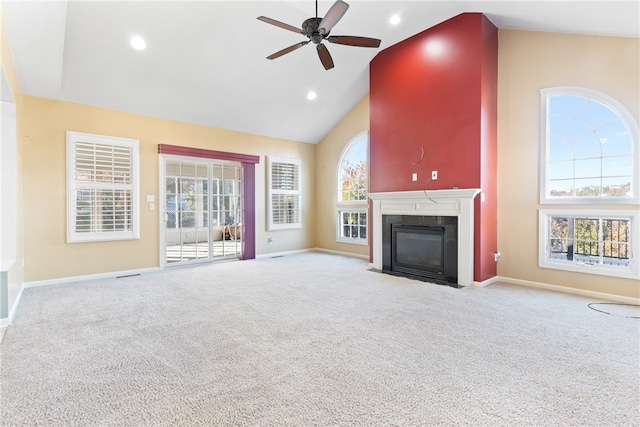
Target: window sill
[(602, 270), (361, 242)]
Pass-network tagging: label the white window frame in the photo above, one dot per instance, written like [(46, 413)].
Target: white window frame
[(133, 233), (351, 206), (627, 119), (345, 239), (271, 225), (629, 272)]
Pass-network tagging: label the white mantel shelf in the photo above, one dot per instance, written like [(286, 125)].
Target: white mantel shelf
[(454, 202)]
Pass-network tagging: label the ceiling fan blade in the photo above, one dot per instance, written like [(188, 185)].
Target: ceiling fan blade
[(335, 13), (354, 41), (284, 51), (325, 57), (280, 24)]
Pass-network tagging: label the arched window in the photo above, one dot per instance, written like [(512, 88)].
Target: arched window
[(590, 148), (352, 191), (589, 156)]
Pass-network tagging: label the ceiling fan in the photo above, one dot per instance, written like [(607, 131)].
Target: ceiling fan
[(317, 30)]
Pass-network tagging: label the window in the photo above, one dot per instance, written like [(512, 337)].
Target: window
[(590, 149), (589, 156), (352, 191), (102, 188), (597, 242), (284, 193)]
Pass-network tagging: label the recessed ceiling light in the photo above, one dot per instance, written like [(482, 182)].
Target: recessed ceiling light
[(311, 95), (138, 43), (394, 20)]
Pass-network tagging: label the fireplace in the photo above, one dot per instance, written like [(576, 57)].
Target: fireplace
[(438, 227), (421, 247)]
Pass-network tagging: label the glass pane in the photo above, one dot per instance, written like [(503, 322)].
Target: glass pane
[(596, 114), (587, 228), (172, 169), (559, 149), (615, 139), (561, 188), (559, 227), (587, 168), (202, 170), (616, 187), (577, 131), (188, 170), (567, 105), (587, 147), (616, 166), (201, 186), (229, 218), (560, 170), (170, 185), (558, 124), (230, 173), (229, 187), (588, 187)]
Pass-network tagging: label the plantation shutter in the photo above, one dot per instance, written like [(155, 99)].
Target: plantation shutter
[(102, 188), (284, 197)]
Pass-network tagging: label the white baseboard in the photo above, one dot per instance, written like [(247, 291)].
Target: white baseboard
[(485, 283), (279, 254), (349, 254), (568, 290), (12, 313), (50, 282)]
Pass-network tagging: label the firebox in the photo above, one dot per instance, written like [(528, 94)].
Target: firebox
[(421, 247)]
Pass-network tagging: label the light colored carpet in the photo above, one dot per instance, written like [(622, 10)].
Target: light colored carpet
[(313, 340)]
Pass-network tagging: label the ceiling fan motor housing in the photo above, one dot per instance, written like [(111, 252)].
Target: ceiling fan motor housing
[(310, 29)]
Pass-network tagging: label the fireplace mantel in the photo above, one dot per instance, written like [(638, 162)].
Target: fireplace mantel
[(454, 202)]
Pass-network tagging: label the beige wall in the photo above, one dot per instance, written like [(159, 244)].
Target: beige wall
[(328, 154), (528, 62), (43, 132)]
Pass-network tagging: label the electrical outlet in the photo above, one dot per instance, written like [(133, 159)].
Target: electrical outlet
[(270, 240), (434, 175), (414, 177)]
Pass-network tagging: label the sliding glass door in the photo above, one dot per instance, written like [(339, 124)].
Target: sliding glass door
[(202, 210)]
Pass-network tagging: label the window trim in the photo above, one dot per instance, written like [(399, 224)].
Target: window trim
[(351, 205), (72, 185), (627, 119), (544, 261), (355, 209), (270, 191)]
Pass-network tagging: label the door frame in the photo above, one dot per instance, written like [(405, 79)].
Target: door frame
[(247, 162)]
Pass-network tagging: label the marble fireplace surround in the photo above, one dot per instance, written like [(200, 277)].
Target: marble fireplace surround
[(455, 202)]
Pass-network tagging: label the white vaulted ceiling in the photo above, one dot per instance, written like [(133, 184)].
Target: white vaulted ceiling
[(205, 61)]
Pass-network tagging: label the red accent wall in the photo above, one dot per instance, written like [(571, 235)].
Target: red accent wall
[(433, 102)]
